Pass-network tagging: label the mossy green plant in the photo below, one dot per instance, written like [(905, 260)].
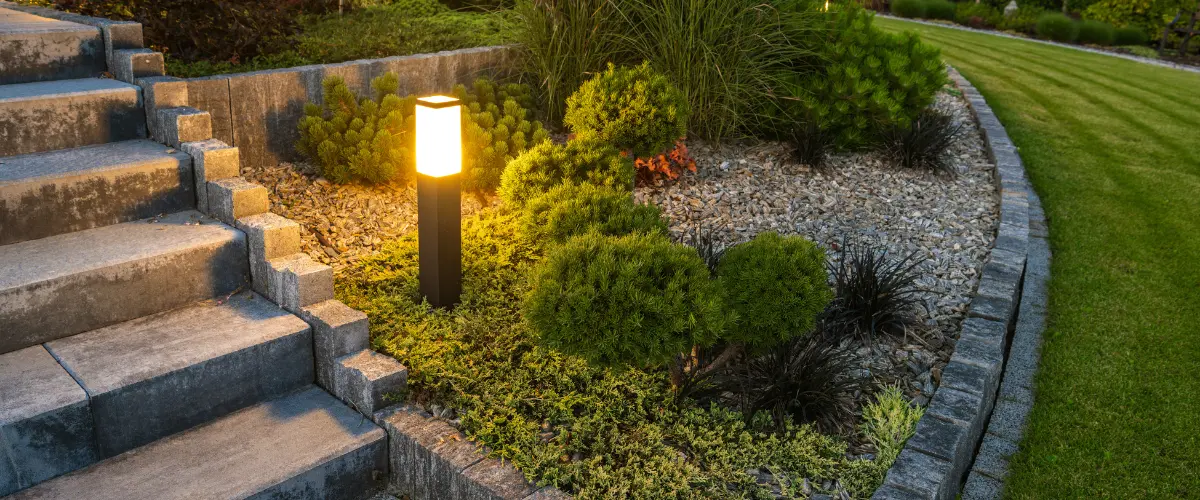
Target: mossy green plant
[(574, 209), (547, 165)]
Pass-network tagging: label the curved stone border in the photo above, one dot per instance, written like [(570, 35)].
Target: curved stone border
[(1130, 57), (1010, 298)]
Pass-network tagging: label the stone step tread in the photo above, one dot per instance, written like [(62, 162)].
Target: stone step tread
[(126, 353), (33, 383), (238, 456), (98, 159), (31, 262), (63, 88), (12, 21)]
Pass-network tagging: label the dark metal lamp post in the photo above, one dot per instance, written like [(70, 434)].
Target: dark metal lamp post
[(439, 198)]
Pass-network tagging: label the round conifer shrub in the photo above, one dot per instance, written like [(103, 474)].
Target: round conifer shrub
[(1057, 27), (1095, 32), (635, 109), (775, 286), (909, 8), (940, 9), (1129, 35), (574, 209), (548, 165), (634, 300)]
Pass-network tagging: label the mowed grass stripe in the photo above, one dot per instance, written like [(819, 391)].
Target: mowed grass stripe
[(1118, 390), (1135, 114)]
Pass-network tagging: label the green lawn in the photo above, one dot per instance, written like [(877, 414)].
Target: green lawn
[(1113, 147)]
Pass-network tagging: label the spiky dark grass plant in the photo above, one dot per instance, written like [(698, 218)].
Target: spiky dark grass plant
[(924, 143), (704, 239), (874, 293), (806, 379), (811, 144)]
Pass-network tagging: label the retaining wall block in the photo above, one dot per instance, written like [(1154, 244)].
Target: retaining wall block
[(338, 331), (366, 379), (921, 474), (299, 282), (184, 124), (232, 198), (133, 64), (212, 160)]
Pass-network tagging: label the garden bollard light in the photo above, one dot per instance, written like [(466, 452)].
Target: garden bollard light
[(439, 198)]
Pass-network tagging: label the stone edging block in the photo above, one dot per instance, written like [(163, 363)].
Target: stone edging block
[(986, 390)]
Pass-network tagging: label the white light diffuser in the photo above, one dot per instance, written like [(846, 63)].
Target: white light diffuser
[(439, 136)]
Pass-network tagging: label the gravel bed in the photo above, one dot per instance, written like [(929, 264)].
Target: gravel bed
[(738, 191)]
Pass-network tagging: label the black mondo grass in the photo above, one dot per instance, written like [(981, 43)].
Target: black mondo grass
[(924, 143), (811, 144), (806, 379), (874, 293), (704, 240)]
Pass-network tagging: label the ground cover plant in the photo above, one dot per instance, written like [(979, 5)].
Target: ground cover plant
[(1108, 145)]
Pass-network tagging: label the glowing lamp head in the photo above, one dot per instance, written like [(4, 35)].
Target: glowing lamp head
[(439, 136)]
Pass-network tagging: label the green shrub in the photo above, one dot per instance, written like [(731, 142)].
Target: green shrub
[(371, 139), (635, 300), (1024, 20), (909, 8), (367, 140), (1150, 16), (497, 128), (940, 9), (1057, 27), (977, 15), (776, 286), (1129, 36), (1095, 32), (635, 109), (548, 165), (574, 209), (869, 78)]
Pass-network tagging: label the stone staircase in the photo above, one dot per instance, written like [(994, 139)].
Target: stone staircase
[(161, 335)]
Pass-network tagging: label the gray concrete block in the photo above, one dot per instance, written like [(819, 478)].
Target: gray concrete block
[(265, 108), (299, 282), (49, 116), (76, 282), (366, 380), (1009, 419), (154, 376), (979, 352), (491, 479), (1017, 387), (338, 331), (429, 455), (889, 492), (956, 405), (270, 236), (34, 48), (1013, 238), (970, 377), (981, 487), (129, 65), (175, 126), (921, 474), (993, 457), (306, 445), (992, 308), (211, 94), (161, 92), (233, 198), (213, 160), (992, 331), (48, 194), (45, 421), (945, 439)]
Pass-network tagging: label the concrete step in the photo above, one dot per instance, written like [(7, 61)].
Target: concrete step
[(34, 49), (305, 445), (44, 194), (64, 114), (155, 376), (72, 283), (45, 421)]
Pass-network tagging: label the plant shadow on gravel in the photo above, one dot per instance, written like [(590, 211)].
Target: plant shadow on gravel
[(589, 431)]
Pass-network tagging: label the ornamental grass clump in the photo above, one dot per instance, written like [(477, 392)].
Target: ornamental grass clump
[(620, 301), (548, 165), (573, 209), (874, 293), (635, 109), (923, 143), (775, 286)]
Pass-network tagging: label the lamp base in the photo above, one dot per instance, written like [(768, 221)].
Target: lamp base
[(439, 238)]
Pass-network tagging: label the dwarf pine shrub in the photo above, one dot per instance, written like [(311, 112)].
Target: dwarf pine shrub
[(548, 165), (636, 300), (775, 285), (1095, 32), (1057, 27), (635, 109), (372, 139), (573, 209)]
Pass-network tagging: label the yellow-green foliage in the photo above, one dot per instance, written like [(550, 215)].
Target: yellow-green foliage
[(547, 165), (497, 129), (888, 422), (1150, 16), (635, 109), (570, 210), (372, 139), (350, 139)]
